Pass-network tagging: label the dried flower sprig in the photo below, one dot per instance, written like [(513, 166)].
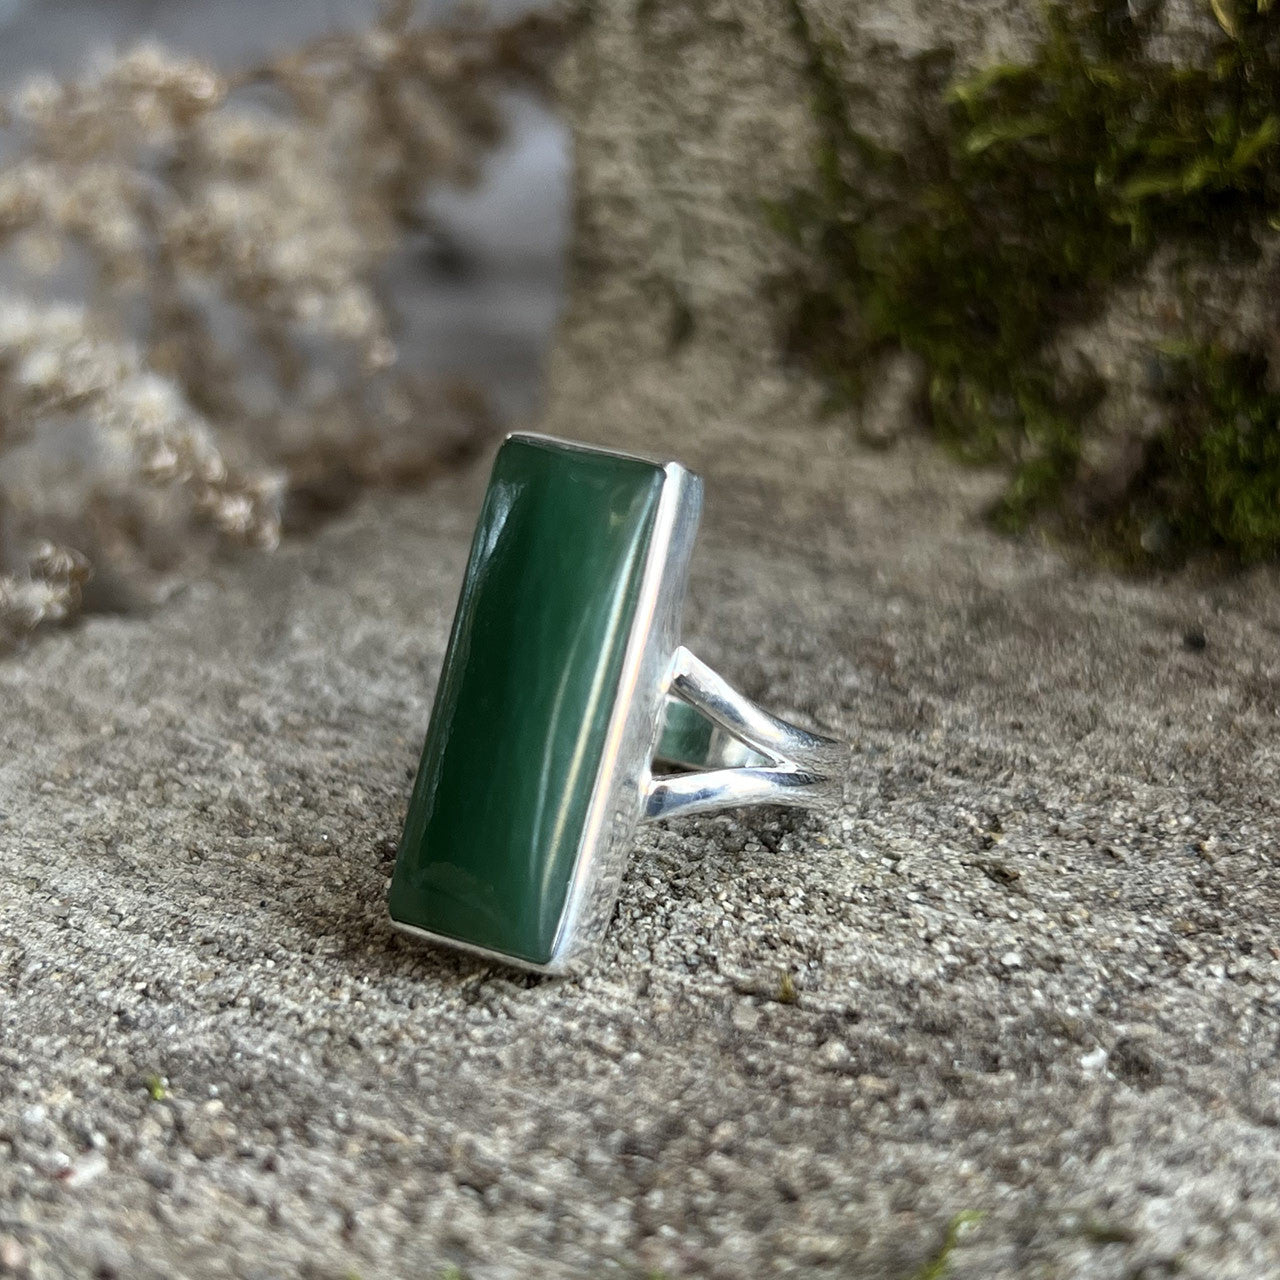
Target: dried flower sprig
[(49, 590), (54, 365), (227, 237)]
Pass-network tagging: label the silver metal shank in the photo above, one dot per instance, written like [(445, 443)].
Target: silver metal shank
[(787, 765)]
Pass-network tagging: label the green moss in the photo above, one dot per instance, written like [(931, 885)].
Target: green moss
[(938, 1264), (1212, 478), (1027, 192)]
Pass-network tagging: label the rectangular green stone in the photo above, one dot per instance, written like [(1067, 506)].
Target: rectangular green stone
[(525, 699)]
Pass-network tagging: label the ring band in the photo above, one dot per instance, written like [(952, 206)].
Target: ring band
[(737, 753), (567, 711)]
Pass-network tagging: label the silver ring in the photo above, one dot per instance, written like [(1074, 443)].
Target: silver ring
[(568, 712), (736, 753)]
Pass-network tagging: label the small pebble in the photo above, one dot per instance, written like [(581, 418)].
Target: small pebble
[(1095, 1061), (12, 1256)]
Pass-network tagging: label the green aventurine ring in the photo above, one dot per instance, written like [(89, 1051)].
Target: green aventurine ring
[(567, 711)]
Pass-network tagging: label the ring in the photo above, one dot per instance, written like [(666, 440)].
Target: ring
[(568, 712)]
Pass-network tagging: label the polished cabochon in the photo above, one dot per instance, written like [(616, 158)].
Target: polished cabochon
[(549, 703)]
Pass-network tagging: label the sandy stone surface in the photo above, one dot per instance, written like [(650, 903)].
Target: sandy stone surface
[(1029, 971), (1034, 959)]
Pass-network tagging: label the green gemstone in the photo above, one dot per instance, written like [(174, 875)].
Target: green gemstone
[(686, 736), (524, 702), (688, 739)]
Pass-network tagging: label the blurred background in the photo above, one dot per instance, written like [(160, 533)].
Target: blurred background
[(481, 300), (254, 260), (258, 260)]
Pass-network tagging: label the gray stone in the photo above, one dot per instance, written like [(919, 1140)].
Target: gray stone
[(804, 1048), (340, 1100)]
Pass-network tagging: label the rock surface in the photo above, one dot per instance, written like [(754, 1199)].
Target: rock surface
[(1030, 970), (1034, 960)]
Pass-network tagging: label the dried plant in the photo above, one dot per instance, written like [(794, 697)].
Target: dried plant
[(194, 327)]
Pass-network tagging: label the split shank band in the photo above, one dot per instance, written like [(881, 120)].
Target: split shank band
[(736, 752)]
